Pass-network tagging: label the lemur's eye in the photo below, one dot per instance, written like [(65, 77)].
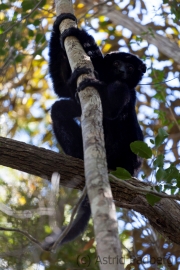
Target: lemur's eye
[(130, 68), (116, 64)]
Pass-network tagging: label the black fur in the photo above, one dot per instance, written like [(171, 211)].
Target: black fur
[(118, 75)]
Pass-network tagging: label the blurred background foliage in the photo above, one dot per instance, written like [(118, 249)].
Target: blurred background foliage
[(26, 97)]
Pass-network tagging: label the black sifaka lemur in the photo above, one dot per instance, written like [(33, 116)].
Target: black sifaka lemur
[(117, 75)]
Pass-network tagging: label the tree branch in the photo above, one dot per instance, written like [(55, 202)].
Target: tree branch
[(164, 44), (41, 162), (164, 216)]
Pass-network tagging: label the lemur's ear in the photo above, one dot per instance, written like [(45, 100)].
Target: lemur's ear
[(142, 68)]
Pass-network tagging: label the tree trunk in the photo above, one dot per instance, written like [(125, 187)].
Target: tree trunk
[(98, 187)]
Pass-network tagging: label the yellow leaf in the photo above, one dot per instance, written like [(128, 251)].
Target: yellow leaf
[(107, 47), (1, 16), (22, 200), (80, 5), (30, 102), (47, 229), (101, 18), (175, 31)]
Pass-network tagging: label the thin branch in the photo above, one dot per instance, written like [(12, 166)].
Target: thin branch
[(23, 18), (30, 237), (143, 191), (65, 232)]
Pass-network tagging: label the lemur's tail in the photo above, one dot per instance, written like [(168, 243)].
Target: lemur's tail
[(78, 226)]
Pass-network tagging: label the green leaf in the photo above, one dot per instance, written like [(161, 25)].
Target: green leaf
[(2, 51), (139, 38), (30, 33), (152, 141), (158, 141), (12, 40), (152, 199), (160, 174), (159, 188), (141, 149), (4, 6), (173, 190), (143, 176), (24, 43), (159, 161), (40, 38), (162, 115), (171, 173), (168, 175), (26, 5), (178, 181), (19, 58), (121, 173), (162, 135), (36, 22)]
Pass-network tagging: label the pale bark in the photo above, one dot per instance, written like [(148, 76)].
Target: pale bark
[(98, 187)]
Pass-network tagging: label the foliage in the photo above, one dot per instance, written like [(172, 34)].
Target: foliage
[(25, 101), (122, 174)]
